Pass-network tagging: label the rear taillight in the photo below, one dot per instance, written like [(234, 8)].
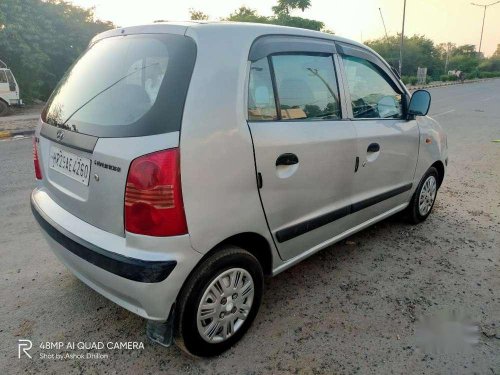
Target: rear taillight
[(153, 196), (36, 161)]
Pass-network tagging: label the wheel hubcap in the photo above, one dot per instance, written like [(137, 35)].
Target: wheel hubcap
[(427, 195), (225, 305)]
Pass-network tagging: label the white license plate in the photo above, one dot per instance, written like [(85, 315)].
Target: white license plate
[(69, 164)]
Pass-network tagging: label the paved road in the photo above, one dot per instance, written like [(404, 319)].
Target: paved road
[(32, 116), (352, 308)]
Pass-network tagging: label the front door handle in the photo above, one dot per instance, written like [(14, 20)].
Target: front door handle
[(287, 159), (373, 147)]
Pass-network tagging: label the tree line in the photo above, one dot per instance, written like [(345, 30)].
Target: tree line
[(281, 16), (420, 51), (40, 39)]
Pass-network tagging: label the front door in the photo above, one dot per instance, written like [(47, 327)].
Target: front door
[(387, 142), (304, 152)]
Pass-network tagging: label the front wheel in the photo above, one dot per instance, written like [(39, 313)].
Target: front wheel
[(424, 197), (219, 302)]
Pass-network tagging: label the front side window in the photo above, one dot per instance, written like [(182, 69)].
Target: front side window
[(261, 103), (307, 86), (371, 94)]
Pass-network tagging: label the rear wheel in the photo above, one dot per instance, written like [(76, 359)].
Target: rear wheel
[(424, 197), (219, 302), (4, 108)]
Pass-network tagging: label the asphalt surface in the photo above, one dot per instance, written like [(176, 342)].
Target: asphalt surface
[(353, 308)]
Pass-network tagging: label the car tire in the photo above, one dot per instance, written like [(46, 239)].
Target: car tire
[(226, 287), (423, 199), (4, 108)]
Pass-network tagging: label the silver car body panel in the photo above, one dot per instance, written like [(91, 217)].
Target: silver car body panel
[(433, 145), (390, 169), (101, 202), (218, 174), (320, 183), (219, 185), (149, 300)]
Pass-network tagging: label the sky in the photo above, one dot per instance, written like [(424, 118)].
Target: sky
[(455, 21)]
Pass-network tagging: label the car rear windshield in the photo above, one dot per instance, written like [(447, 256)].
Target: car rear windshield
[(125, 86)]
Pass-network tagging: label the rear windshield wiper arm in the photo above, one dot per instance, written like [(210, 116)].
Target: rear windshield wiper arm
[(105, 89)]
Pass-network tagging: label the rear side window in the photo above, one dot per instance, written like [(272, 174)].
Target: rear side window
[(307, 86), (129, 85), (261, 102), (372, 96), (3, 77)]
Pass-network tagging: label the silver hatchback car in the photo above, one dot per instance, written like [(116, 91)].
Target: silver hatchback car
[(177, 164)]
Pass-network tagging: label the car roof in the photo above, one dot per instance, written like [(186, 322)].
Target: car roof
[(251, 30)]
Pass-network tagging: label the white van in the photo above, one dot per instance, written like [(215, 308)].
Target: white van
[(9, 90)]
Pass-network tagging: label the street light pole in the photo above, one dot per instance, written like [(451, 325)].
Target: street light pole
[(383, 23), (484, 17), (402, 40)]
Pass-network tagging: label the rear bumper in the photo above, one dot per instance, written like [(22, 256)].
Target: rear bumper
[(143, 281), (128, 268)]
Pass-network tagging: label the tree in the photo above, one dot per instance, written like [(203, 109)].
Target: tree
[(198, 15), (465, 50), (418, 52), (39, 40), (245, 14), (303, 23), (285, 6), (497, 52)]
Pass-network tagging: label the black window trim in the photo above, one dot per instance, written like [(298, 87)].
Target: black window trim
[(277, 103), (341, 98), (269, 44), (346, 49)]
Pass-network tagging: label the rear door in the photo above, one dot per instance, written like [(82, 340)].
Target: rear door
[(304, 146), (122, 99), (387, 141)]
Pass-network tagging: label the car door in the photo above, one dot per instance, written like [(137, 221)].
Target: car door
[(305, 151), (387, 143)]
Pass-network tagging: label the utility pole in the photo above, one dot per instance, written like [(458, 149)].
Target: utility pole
[(402, 41), (383, 23), (484, 16)]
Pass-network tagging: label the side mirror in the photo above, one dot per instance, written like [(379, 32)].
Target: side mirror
[(420, 103)]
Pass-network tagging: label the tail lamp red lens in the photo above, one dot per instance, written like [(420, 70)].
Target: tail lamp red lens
[(153, 196), (36, 161)]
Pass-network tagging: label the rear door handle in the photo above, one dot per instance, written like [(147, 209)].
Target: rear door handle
[(287, 159), (373, 147)]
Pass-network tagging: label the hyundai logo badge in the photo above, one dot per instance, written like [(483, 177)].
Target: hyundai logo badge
[(60, 135)]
